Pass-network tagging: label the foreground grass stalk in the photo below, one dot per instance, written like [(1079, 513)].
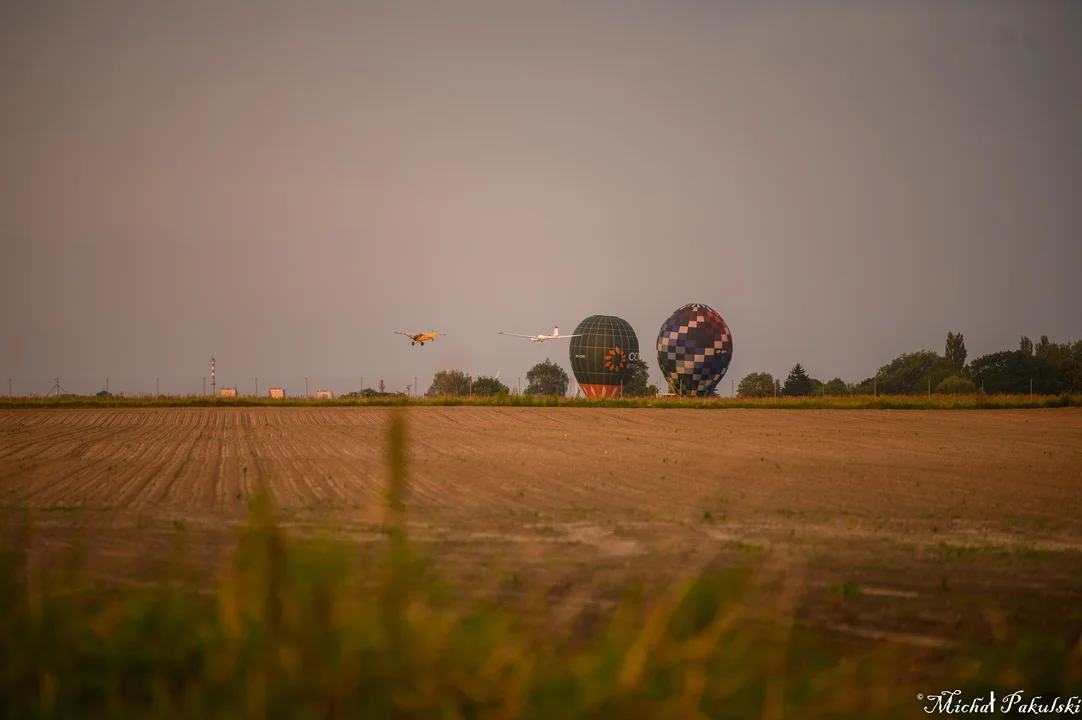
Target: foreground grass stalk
[(397, 482), (395, 594)]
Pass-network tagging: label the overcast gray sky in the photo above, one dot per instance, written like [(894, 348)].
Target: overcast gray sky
[(282, 185)]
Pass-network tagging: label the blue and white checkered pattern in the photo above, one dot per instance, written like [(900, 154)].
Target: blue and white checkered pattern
[(694, 349)]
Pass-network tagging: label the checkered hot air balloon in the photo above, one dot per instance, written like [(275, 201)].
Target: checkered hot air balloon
[(694, 349)]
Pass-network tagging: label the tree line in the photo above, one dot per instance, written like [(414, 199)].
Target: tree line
[(544, 378), (1042, 368)]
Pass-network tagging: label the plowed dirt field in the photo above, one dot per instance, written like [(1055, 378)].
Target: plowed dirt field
[(910, 525)]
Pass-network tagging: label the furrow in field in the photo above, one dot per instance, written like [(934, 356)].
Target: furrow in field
[(42, 441), (234, 463), (338, 450), (202, 475), (306, 458), (121, 459), (283, 464), (259, 451), (22, 444), (557, 469), (141, 466), (95, 453), (489, 467), (441, 475), (227, 486), (183, 456)]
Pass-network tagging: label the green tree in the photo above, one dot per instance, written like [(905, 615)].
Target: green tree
[(488, 386), (912, 373), (955, 353), (1070, 374), (547, 378), (1046, 349), (760, 384), (1025, 346), (449, 382), (1012, 371), (864, 387), (836, 386), (639, 382), (1067, 358), (798, 383), (955, 385)]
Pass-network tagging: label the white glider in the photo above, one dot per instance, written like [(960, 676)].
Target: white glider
[(542, 338)]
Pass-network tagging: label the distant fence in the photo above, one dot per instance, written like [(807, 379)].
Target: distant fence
[(324, 388), (850, 402), (189, 386), (278, 387)]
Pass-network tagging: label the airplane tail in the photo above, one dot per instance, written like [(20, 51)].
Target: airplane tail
[(555, 332)]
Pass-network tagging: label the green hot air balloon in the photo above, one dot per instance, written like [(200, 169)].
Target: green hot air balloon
[(602, 354)]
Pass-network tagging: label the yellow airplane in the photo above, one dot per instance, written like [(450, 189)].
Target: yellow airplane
[(420, 337)]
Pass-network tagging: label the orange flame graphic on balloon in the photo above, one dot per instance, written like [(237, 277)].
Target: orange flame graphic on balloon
[(615, 360)]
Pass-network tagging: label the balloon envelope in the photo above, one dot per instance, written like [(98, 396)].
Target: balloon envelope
[(694, 349), (602, 354)]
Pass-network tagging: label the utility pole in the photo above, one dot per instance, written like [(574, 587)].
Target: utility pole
[(929, 387), (414, 386), (106, 385), (1030, 387), (204, 384), (306, 388), (157, 387), (9, 387), (732, 387), (257, 387)]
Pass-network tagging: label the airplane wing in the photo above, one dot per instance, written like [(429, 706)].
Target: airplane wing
[(517, 335), (407, 334), (562, 337)]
